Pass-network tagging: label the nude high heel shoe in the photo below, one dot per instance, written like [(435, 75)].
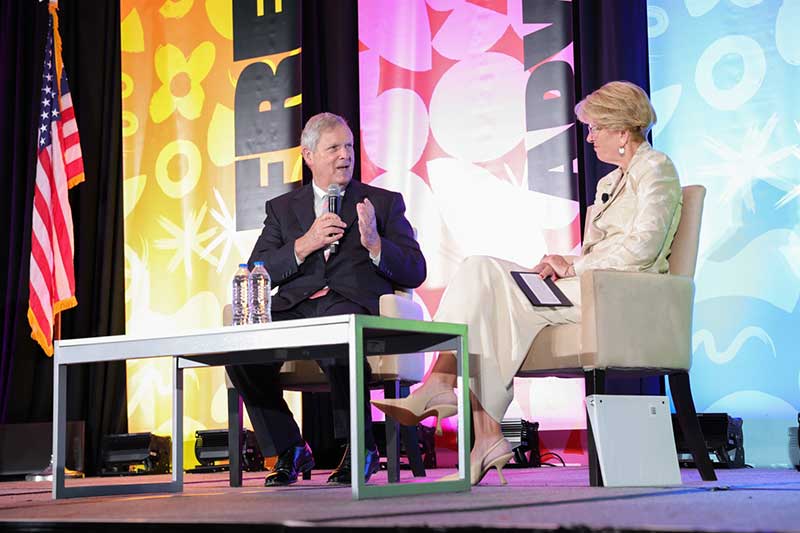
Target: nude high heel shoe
[(419, 405), (497, 456)]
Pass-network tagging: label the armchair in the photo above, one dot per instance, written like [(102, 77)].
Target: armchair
[(635, 324), (395, 374)]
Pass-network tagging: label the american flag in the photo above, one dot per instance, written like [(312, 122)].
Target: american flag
[(58, 168)]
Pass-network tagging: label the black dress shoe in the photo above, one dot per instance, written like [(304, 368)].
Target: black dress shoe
[(341, 476), (295, 460)]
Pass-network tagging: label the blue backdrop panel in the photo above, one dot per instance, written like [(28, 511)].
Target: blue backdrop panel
[(724, 77)]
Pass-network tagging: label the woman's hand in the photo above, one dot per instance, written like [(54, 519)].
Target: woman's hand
[(554, 266)]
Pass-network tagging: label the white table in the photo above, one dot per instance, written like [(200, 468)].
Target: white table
[(346, 336)]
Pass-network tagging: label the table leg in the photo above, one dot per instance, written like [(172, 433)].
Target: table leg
[(177, 423), (356, 373), (464, 412), (59, 428), (235, 437)]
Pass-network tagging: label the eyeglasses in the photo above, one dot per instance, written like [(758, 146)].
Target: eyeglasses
[(593, 129)]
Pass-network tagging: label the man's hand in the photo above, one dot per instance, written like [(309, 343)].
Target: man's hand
[(553, 266), (327, 228), (368, 227)]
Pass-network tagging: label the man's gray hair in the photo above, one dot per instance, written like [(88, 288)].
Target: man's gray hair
[(316, 125)]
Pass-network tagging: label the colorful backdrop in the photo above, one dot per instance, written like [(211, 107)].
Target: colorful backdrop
[(724, 75), (466, 109), (211, 113)]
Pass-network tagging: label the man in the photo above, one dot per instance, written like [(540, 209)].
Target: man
[(376, 251)]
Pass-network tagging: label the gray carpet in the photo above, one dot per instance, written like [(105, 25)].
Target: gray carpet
[(542, 498)]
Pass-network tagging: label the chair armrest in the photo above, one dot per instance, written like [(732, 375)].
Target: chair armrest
[(637, 319), (400, 306), (407, 368)]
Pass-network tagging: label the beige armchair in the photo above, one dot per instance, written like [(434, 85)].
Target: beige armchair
[(634, 324), (395, 374)]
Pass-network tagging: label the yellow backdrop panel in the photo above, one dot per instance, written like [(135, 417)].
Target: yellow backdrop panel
[(181, 244)]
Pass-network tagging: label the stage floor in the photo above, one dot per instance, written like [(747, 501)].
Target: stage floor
[(537, 498)]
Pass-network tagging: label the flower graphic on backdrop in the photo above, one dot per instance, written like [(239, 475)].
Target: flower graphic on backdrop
[(181, 80)]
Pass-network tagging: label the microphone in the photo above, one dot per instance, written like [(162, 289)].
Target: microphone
[(334, 206)]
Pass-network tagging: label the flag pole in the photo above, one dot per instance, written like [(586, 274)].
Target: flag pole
[(73, 176)]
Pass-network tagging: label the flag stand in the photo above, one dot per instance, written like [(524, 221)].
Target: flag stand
[(46, 474)]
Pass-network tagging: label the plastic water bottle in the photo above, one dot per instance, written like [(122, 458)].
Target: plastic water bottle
[(239, 296), (259, 295)]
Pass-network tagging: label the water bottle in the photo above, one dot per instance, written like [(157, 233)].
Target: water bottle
[(258, 295), (239, 296)]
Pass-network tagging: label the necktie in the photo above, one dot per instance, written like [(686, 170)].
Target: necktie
[(320, 207)]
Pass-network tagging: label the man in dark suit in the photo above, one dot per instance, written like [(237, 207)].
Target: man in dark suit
[(376, 251)]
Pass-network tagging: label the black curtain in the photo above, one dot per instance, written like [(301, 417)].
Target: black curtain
[(610, 44), (91, 54), (330, 65), (330, 83), (23, 30)]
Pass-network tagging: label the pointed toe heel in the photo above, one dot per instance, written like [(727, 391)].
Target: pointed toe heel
[(497, 456), (498, 464), (411, 410)]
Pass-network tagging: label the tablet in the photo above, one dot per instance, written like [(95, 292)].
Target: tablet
[(541, 292)]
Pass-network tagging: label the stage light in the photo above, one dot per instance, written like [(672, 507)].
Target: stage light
[(723, 436), (524, 439), (136, 453), (211, 450)]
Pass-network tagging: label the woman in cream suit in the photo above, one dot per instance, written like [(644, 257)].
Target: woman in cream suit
[(636, 214)]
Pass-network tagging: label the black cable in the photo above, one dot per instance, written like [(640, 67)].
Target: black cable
[(542, 456)]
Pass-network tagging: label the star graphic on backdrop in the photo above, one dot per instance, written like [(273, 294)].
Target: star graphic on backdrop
[(743, 166), (186, 240), (792, 252), (227, 237), (794, 192)]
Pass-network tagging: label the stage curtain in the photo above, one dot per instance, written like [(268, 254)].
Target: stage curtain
[(330, 83), (23, 30), (330, 65), (610, 44), (91, 53)]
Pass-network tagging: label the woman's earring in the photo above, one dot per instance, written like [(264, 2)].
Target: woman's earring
[(621, 150)]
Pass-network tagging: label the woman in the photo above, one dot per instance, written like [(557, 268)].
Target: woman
[(637, 209)]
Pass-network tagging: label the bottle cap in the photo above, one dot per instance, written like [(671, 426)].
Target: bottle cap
[(242, 265), (259, 263)]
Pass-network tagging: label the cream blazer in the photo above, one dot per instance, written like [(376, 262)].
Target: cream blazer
[(633, 229)]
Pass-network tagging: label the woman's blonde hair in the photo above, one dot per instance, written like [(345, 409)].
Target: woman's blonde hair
[(619, 106)]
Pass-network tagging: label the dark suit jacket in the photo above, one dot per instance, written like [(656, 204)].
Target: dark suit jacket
[(350, 272)]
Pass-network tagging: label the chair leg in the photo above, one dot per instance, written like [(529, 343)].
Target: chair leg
[(235, 416), (411, 442), (391, 389), (595, 381), (690, 425)]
